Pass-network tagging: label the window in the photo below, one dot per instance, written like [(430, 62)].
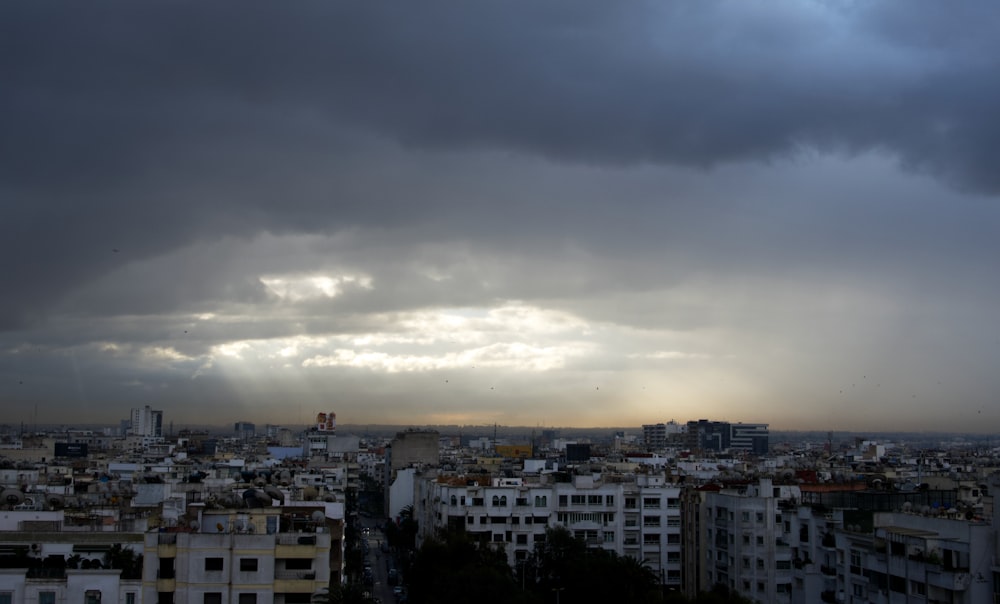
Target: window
[(496, 500), (745, 516), (130, 597), (760, 539), (477, 501), (248, 565), (522, 539), (594, 500), (673, 521), (7, 597), (760, 517), (673, 557), (213, 564), (630, 503), (650, 521), (651, 502), (783, 564), (563, 501), (46, 597), (503, 500), (248, 599), (299, 563), (783, 588), (541, 501), (609, 500), (746, 539), (454, 500), (651, 538), (609, 536), (213, 597), (92, 596), (577, 499), (673, 502), (674, 538)]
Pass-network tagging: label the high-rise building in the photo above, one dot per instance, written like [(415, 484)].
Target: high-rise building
[(708, 435), (245, 430), (749, 437), (147, 422), (658, 436)]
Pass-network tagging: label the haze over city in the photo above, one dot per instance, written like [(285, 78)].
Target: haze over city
[(562, 213)]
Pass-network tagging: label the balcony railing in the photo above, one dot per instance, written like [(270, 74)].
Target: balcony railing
[(305, 575), (297, 539)]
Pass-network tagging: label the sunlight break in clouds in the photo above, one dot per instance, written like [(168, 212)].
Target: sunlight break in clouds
[(513, 355), (295, 288), (514, 337)]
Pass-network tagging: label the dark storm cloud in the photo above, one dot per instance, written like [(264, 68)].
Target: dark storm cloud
[(144, 125), (688, 83)]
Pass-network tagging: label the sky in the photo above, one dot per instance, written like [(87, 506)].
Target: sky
[(564, 213)]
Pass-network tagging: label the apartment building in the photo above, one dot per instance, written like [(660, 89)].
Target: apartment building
[(238, 556), (632, 515), (57, 565), (746, 544)]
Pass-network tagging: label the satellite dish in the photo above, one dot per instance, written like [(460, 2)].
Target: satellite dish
[(12, 496), (318, 517), (274, 494)]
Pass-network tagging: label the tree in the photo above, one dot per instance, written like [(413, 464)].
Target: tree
[(453, 568), (125, 559), (565, 565)]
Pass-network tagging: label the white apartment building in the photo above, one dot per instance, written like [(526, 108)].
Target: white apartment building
[(43, 536), (746, 542), (632, 515), (146, 422)]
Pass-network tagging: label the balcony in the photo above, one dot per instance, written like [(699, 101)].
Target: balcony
[(298, 586), (165, 581), (830, 571)]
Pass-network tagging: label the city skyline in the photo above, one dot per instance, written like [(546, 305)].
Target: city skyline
[(572, 214)]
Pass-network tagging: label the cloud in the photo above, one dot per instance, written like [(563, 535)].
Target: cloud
[(565, 192)]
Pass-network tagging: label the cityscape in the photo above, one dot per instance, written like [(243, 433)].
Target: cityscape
[(506, 302), (269, 514)]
